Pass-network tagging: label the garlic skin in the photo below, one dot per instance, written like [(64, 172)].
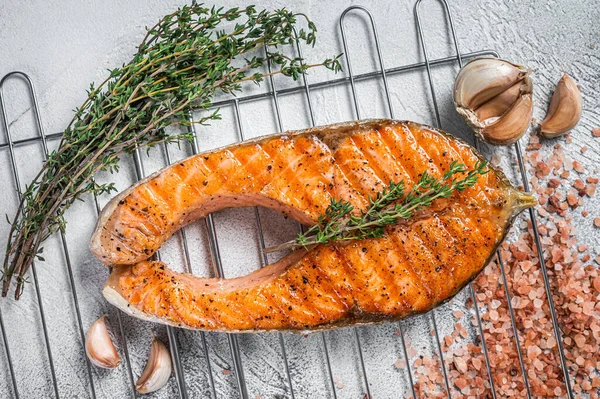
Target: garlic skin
[(482, 79), (158, 369), (495, 98), (565, 108), (99, 347)]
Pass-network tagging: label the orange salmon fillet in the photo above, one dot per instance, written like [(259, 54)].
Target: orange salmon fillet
[(416, 266)]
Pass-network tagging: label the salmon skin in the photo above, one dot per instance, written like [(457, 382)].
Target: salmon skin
[(417, 264)]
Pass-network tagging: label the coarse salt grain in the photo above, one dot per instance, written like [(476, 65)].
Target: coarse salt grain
[(460, 364)]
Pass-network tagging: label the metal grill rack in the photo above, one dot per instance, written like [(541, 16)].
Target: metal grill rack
[(274, 95)]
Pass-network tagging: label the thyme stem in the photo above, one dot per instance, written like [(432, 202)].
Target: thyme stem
[(182, 62), (390, 206)]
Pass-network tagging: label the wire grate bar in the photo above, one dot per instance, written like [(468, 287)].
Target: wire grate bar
[(10, 365), (232, 339), (501, 264), (352, 81), (297, 89), (62, 238), (439, 124), (392, 115), (540, 250), (275, 96), (216, 260), (306, 89), (483, 343), (121, 328), (19, 196), (264, 259), (188, 265), (514, 324), (174, 349)]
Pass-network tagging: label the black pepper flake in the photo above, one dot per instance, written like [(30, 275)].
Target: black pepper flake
[(304, 280), (205, 182)]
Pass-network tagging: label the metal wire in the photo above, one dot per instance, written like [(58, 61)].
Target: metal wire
[(188, 262), (7, 351), (17, 180), (121, 329), (439, 124), (351, 79), (391, 112), (264, 260), (311, 113), (540, 251), (505, 281), (173, 345), (40, 131), (532, 214), (216, 260)]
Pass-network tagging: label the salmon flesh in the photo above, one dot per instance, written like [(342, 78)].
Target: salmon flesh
[(417, 264)]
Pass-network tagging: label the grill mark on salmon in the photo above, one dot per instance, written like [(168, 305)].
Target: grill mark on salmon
[(418, 264)]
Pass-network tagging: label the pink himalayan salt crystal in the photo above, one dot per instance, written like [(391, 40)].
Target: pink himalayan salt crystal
[(493, 315), (399, 364), (533, 351), (579, 340), (458, 314), (597, 284), (460, 364), (448, 340), (460, 383), (476, 363)]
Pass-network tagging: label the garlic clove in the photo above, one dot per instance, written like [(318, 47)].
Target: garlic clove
[(498, 105), (99, 347), (482, 79), (565, 108), (509, 128), (158, 369)]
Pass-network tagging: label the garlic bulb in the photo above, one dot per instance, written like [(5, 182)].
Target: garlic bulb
[(495, 98), (565, 108), (158, 369), (99, 347)]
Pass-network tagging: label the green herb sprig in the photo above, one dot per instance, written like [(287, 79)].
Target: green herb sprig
[(184, 60), (390, 206)]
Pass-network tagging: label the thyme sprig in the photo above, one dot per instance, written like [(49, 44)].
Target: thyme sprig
[(389, 207), (182, 62)]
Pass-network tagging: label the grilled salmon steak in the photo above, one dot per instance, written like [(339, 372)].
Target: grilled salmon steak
[(418, 264)]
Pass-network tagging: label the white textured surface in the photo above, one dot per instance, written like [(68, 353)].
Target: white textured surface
[(64, 45)]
